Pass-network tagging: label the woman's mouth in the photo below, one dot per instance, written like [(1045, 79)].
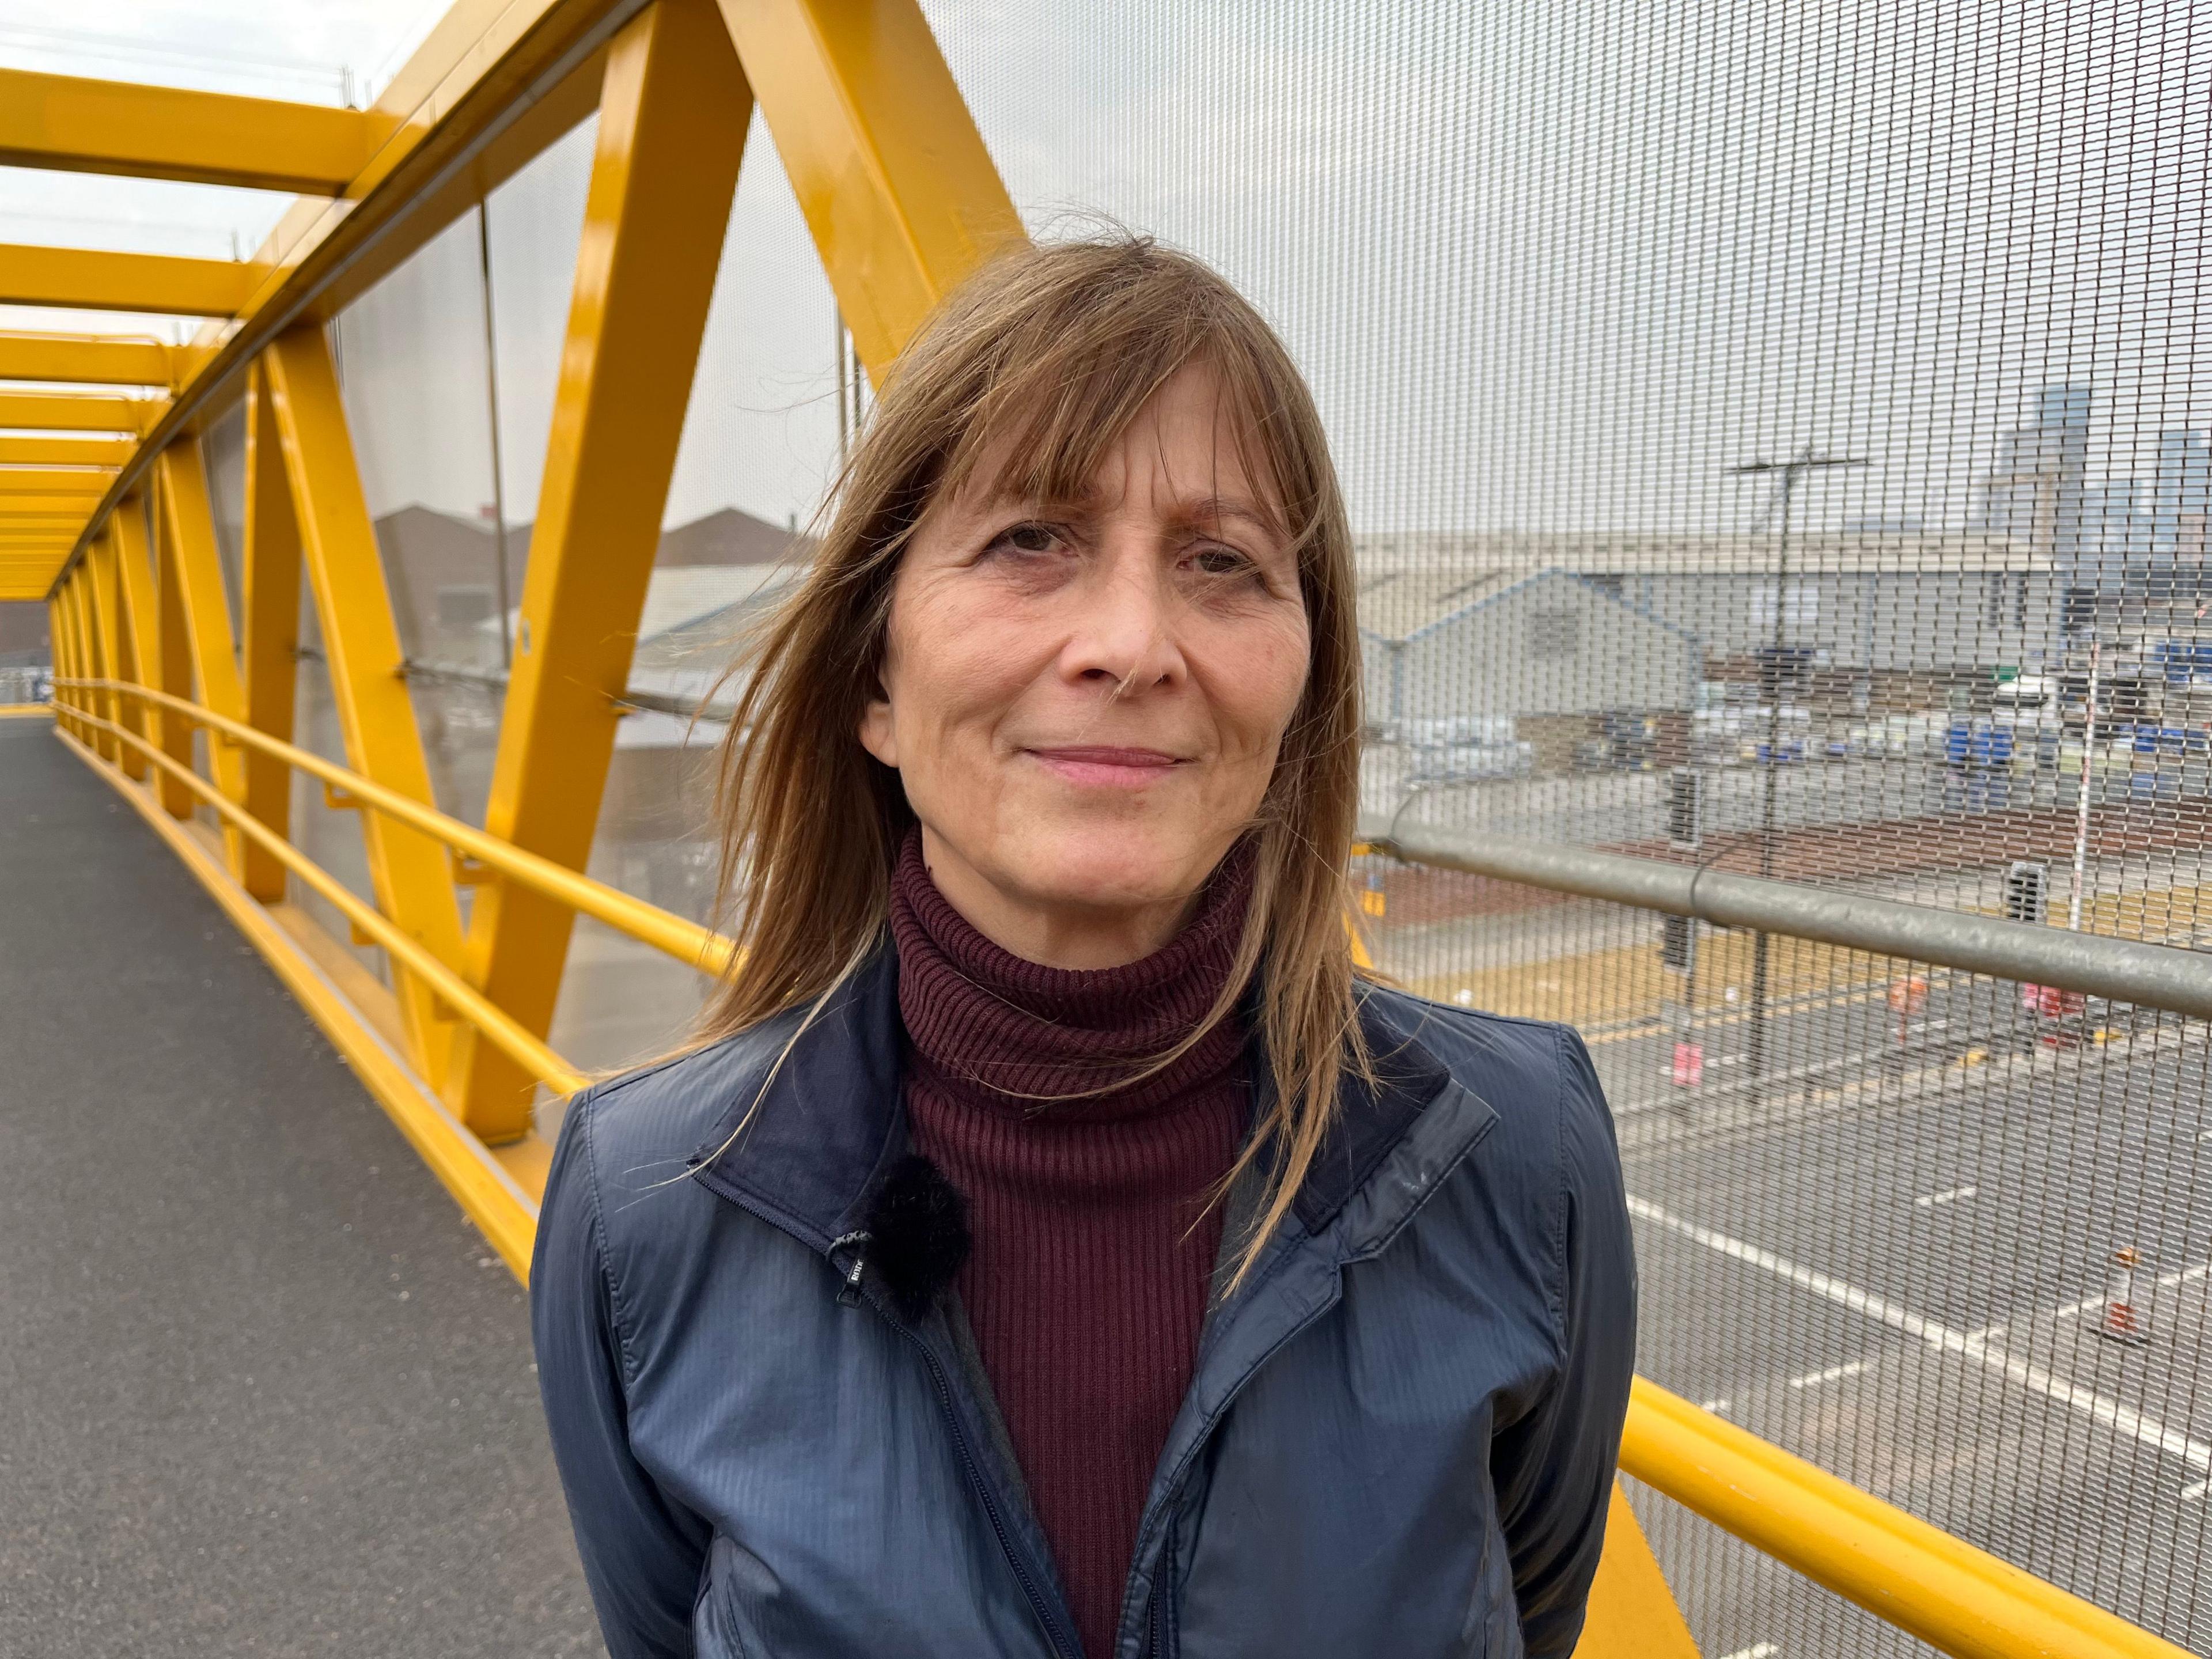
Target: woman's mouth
[(1098, 766)]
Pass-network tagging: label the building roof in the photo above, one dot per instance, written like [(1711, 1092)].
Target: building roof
[(1643, 553)]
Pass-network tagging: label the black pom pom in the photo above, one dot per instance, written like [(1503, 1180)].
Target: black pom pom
[(917, 1234)]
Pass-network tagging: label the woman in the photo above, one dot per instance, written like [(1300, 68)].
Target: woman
[(1051, 1247)]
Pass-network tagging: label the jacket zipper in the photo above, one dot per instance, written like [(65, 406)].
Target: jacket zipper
[(981, 1487), (850, 1292)]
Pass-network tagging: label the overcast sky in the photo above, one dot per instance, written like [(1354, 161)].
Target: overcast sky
[(1547, 267)]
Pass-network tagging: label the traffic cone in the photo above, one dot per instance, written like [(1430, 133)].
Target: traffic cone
[(2124, 1321)]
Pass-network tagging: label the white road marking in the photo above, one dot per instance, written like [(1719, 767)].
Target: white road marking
[(1834, 1373), (2204, 1134), (2194, 1491), (1717, 1407), (2165, 1281), (1756, 1650), (2098, 1408), (1949, 1195)]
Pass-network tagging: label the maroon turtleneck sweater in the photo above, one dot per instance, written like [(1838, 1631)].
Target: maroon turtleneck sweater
[(1088, 1280)]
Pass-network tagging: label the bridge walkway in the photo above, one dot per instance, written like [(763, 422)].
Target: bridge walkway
[(261, 1388)]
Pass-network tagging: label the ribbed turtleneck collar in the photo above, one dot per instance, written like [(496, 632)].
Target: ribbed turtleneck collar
[(993, 1029)]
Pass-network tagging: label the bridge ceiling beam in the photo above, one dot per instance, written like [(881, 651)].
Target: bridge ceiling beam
[(78, 125), (93, 359), (52, 481), (494, 83), (92, 280), (104, 452), (77, 411), (673, 112), (72, 503), (898, 191)]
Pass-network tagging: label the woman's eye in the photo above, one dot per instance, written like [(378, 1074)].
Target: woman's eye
[(1025, 538), (1220, 561)]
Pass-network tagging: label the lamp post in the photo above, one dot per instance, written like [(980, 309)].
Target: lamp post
[(1789, 471)]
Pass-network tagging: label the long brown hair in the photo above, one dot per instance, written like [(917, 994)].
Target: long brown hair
[(1044, 356)]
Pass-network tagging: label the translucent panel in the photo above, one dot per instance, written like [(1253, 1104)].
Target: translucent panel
[(759, 445), (1775, 437), (222, 449), (413, 364), (26, 653), (332, 837)]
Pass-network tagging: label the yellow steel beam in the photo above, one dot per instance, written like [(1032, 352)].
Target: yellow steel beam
[(106, 631), (192, 571), (360, 642), (140, 631), (104, 452), (672, 121), (494, 83), (78, 411), (57, 630), (86, 655), (94, 359), (895, 185), (90, 280), (88, 481), (79, 126), (173, 665), (1907, 1572), (269, 621)]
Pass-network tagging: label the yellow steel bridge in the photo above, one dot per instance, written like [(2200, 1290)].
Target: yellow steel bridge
[(204, 1185)]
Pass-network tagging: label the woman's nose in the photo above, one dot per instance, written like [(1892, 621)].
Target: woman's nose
[(1124, 628)]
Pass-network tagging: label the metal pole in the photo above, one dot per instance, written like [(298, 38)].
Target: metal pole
[(2081, 806), (498, 472), (1759, 944), (844, 409), (2097, 964)]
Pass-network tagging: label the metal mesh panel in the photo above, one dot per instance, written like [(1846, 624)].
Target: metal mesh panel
[(1775, 436)]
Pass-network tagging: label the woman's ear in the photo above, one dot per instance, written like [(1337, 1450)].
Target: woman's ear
[(878, 735)]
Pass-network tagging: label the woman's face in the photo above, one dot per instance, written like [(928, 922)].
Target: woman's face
[(1085, 699)]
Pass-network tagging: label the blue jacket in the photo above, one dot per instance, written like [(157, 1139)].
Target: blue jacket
[(1400, 1438)]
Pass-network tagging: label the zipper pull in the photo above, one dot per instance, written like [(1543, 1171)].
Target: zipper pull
[(849, 1297)]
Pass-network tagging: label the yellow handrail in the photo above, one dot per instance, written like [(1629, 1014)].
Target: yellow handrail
[(1960, 1600), (465, 999), (1906, 1572), (688, 942)]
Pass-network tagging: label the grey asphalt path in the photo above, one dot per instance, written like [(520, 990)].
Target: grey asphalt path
[(263, 1390)]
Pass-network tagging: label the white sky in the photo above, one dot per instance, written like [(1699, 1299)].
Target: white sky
[(1547, 267)]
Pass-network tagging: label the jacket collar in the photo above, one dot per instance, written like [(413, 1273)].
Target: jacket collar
[(831, 1117)]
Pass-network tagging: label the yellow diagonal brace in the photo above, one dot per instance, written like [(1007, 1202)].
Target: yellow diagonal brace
[(139, 632), (69, 659), (65, 452), (74, 411), (107, 633), (1632, 1615), (360, 642), (193, 567), (94, 281), (91, 359), (175, 662), (81, 125), (896, 186), (672, 118), (269, 621), (57, 631)]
